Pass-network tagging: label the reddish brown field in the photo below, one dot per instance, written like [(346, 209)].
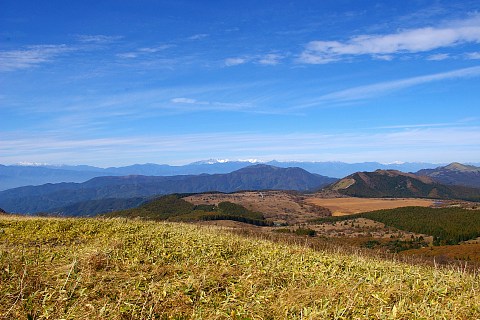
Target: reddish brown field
[(466, 252), (346, 206)]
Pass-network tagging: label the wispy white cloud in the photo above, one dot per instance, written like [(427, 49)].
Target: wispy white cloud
[(404, 41), (438, 57), (188, 103), (94, 113), (144, 51), (310, 57), (270, 59), (420, 125), (378, 89), (183, 100), (30, 56), (98, 38), (198, 36), (229, 62), (127, 55), (34, 55), (473, 55), (156, 49), (384, 57)]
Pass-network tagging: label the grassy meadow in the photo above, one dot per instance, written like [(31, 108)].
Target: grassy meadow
[(52, 268)]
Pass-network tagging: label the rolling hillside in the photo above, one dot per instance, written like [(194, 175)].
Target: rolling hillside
[(90, 208), (454, 174), (127, 269), (174, 208), (446, 225), (396, 184), (50, 197)]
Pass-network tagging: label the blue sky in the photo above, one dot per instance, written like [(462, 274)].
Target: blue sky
[(112, 83)]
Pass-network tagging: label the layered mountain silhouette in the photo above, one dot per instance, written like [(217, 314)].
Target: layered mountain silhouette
[(396, 184), (13, 176), (454, 174), (54, 197)]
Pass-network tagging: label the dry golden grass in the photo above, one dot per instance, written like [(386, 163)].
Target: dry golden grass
[(277, 206), (124, 269), (346, 206), (464, 252), (364, 228)]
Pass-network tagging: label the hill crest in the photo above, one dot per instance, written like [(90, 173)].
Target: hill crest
[(397, 184), (456, 166), (454, 174)]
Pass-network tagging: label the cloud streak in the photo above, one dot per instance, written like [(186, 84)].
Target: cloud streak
[(198, 36), (405, 41), (98, 38), (183, 100), (473, 55), (35, 55), (144, 52), (269, 59), (192, 105), (378, 89), (230, 62), (31, 56)]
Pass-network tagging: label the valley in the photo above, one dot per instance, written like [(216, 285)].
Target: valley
[(343, 220)]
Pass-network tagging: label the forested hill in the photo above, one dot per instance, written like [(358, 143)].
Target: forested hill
[(257, 177), (174, 208)]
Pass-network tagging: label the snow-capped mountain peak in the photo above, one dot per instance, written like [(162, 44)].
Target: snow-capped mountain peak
[(216, 161)]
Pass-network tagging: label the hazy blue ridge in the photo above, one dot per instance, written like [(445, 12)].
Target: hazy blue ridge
[(48, 197), (14, 176)]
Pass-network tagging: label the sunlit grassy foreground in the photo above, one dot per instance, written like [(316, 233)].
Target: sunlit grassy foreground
[(119, 269)]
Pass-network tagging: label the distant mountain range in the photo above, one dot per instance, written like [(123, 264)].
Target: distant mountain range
[(25, 175), (111, 193), (60, 196), (396, 184), (454, 174)]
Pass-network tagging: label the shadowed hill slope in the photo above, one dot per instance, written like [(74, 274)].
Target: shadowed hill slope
[(396, 184), (454, 174)]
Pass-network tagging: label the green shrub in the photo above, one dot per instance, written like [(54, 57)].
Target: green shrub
[(305, 232)]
